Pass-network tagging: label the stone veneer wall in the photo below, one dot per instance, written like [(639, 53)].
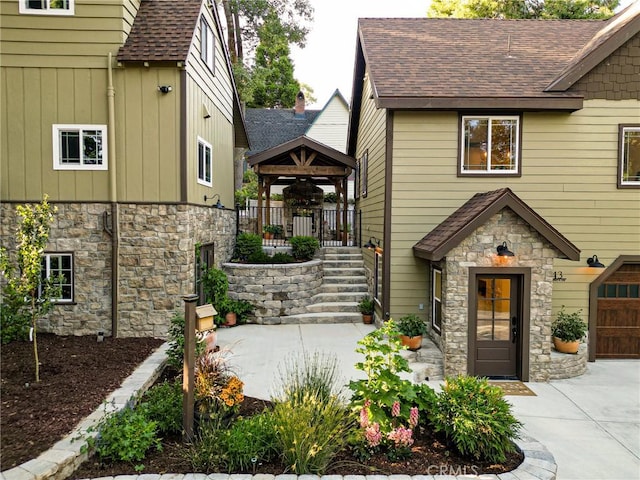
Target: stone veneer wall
[(566, 365), (156, 258), (275, 290), (478, 250)]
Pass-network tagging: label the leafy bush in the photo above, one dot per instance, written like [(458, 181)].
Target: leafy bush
[(282, 257), (259, 257), (217, 390), (14, 319), (411, 325), (304, 248), (568, 327), (249, 441), (175, 352), (162, 404), (310, 432), (366, 305), (125, 436), (241, 308), (246, 245), (476, 418), (206, 453), (215, 285)]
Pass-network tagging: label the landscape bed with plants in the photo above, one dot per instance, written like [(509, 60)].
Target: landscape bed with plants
[(380, 424)]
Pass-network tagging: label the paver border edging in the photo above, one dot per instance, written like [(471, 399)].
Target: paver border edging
[(65, 457)]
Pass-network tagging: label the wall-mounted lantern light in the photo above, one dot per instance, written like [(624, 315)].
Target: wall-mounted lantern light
[(165, 88), (372, 246), (503, 250), (218, 203), (594, 262)]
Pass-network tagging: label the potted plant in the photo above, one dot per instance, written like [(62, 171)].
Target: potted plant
[(270, 230), (366, 307), (411, 328), (567, 330)]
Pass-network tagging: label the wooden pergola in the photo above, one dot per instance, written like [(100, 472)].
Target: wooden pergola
[(302, 158)]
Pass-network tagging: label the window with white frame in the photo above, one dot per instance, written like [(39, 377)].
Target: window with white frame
[(436, 304), (629, 151), (207, 44), (490, 145), (60, 267), (204, 162), (47, 7), (80, 147)]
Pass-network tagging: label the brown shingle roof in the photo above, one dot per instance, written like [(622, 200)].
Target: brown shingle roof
[(445, 57), (162, 31), (475, 212)]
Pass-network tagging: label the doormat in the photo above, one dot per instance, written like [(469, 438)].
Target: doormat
[(512, 387)]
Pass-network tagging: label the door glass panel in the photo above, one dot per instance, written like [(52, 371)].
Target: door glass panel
[(493, 309)]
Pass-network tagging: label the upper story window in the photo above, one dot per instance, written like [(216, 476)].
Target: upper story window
[(490, 145), (207, 44), (47, 7), (58, 265), (629, 151), (80, 147), (204, 163)]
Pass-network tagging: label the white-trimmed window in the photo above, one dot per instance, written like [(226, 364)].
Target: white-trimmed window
[(207, 44), (47, 7), (490, 145), (629, 151), (436, 304), (80, 147), (204, 163), (59, 265)]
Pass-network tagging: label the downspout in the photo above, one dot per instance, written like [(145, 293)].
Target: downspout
[(113, 198)]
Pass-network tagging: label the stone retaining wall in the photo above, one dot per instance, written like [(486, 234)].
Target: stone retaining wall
[(567, 365), (275, 290)]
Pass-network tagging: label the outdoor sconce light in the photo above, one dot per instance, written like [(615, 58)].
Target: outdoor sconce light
[(218, 203), (165, 88), (594, 262), (370, 245), (503, 250)]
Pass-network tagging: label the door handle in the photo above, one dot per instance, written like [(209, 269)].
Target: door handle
[(514, 329)]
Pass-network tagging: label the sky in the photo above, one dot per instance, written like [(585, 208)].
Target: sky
[(327, 61)]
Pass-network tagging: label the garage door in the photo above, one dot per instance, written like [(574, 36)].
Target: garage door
[(618, 324)]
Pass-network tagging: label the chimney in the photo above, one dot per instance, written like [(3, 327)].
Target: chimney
[(298, 110)]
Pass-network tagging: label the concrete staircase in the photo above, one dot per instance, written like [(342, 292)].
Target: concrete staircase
[(343, 285), (426, 364)]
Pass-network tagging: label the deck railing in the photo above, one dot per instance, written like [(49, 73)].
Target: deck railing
[(279, 224)]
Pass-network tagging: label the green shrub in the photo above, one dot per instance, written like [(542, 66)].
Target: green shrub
[(476, 418), (259, 257), (282, 257), (215, 285), (206, 453), (304, 248), (311, 432), (162, 404), (175, 352), (14, 318), (125, 436), (249, 441), (246, 245), (568, 327)]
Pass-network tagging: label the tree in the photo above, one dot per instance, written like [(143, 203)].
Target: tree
[(274, 84), (576, 9), (24, 276), (245, 17)]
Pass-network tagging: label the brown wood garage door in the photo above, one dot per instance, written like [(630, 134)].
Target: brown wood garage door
[(618, 325)]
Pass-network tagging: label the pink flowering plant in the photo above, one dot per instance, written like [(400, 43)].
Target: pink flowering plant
[(388, 406)]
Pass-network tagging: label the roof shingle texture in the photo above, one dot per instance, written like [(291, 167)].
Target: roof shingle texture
[(267, 128), (444, 57), (162, 31)]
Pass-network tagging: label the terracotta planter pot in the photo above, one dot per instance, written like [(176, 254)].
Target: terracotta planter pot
[(230, 319), (268, 235), (566, 347), (412, 343), (367, 318)]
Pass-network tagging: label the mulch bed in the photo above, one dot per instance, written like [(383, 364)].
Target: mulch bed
[(78, 374)]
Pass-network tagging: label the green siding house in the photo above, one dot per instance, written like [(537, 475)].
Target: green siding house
[(472, 134), (126, 115)]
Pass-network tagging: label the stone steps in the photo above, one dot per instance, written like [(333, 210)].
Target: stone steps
[(322, 317)]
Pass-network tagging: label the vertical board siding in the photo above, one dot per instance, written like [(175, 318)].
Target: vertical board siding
[(80, 40), (569, 169)]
